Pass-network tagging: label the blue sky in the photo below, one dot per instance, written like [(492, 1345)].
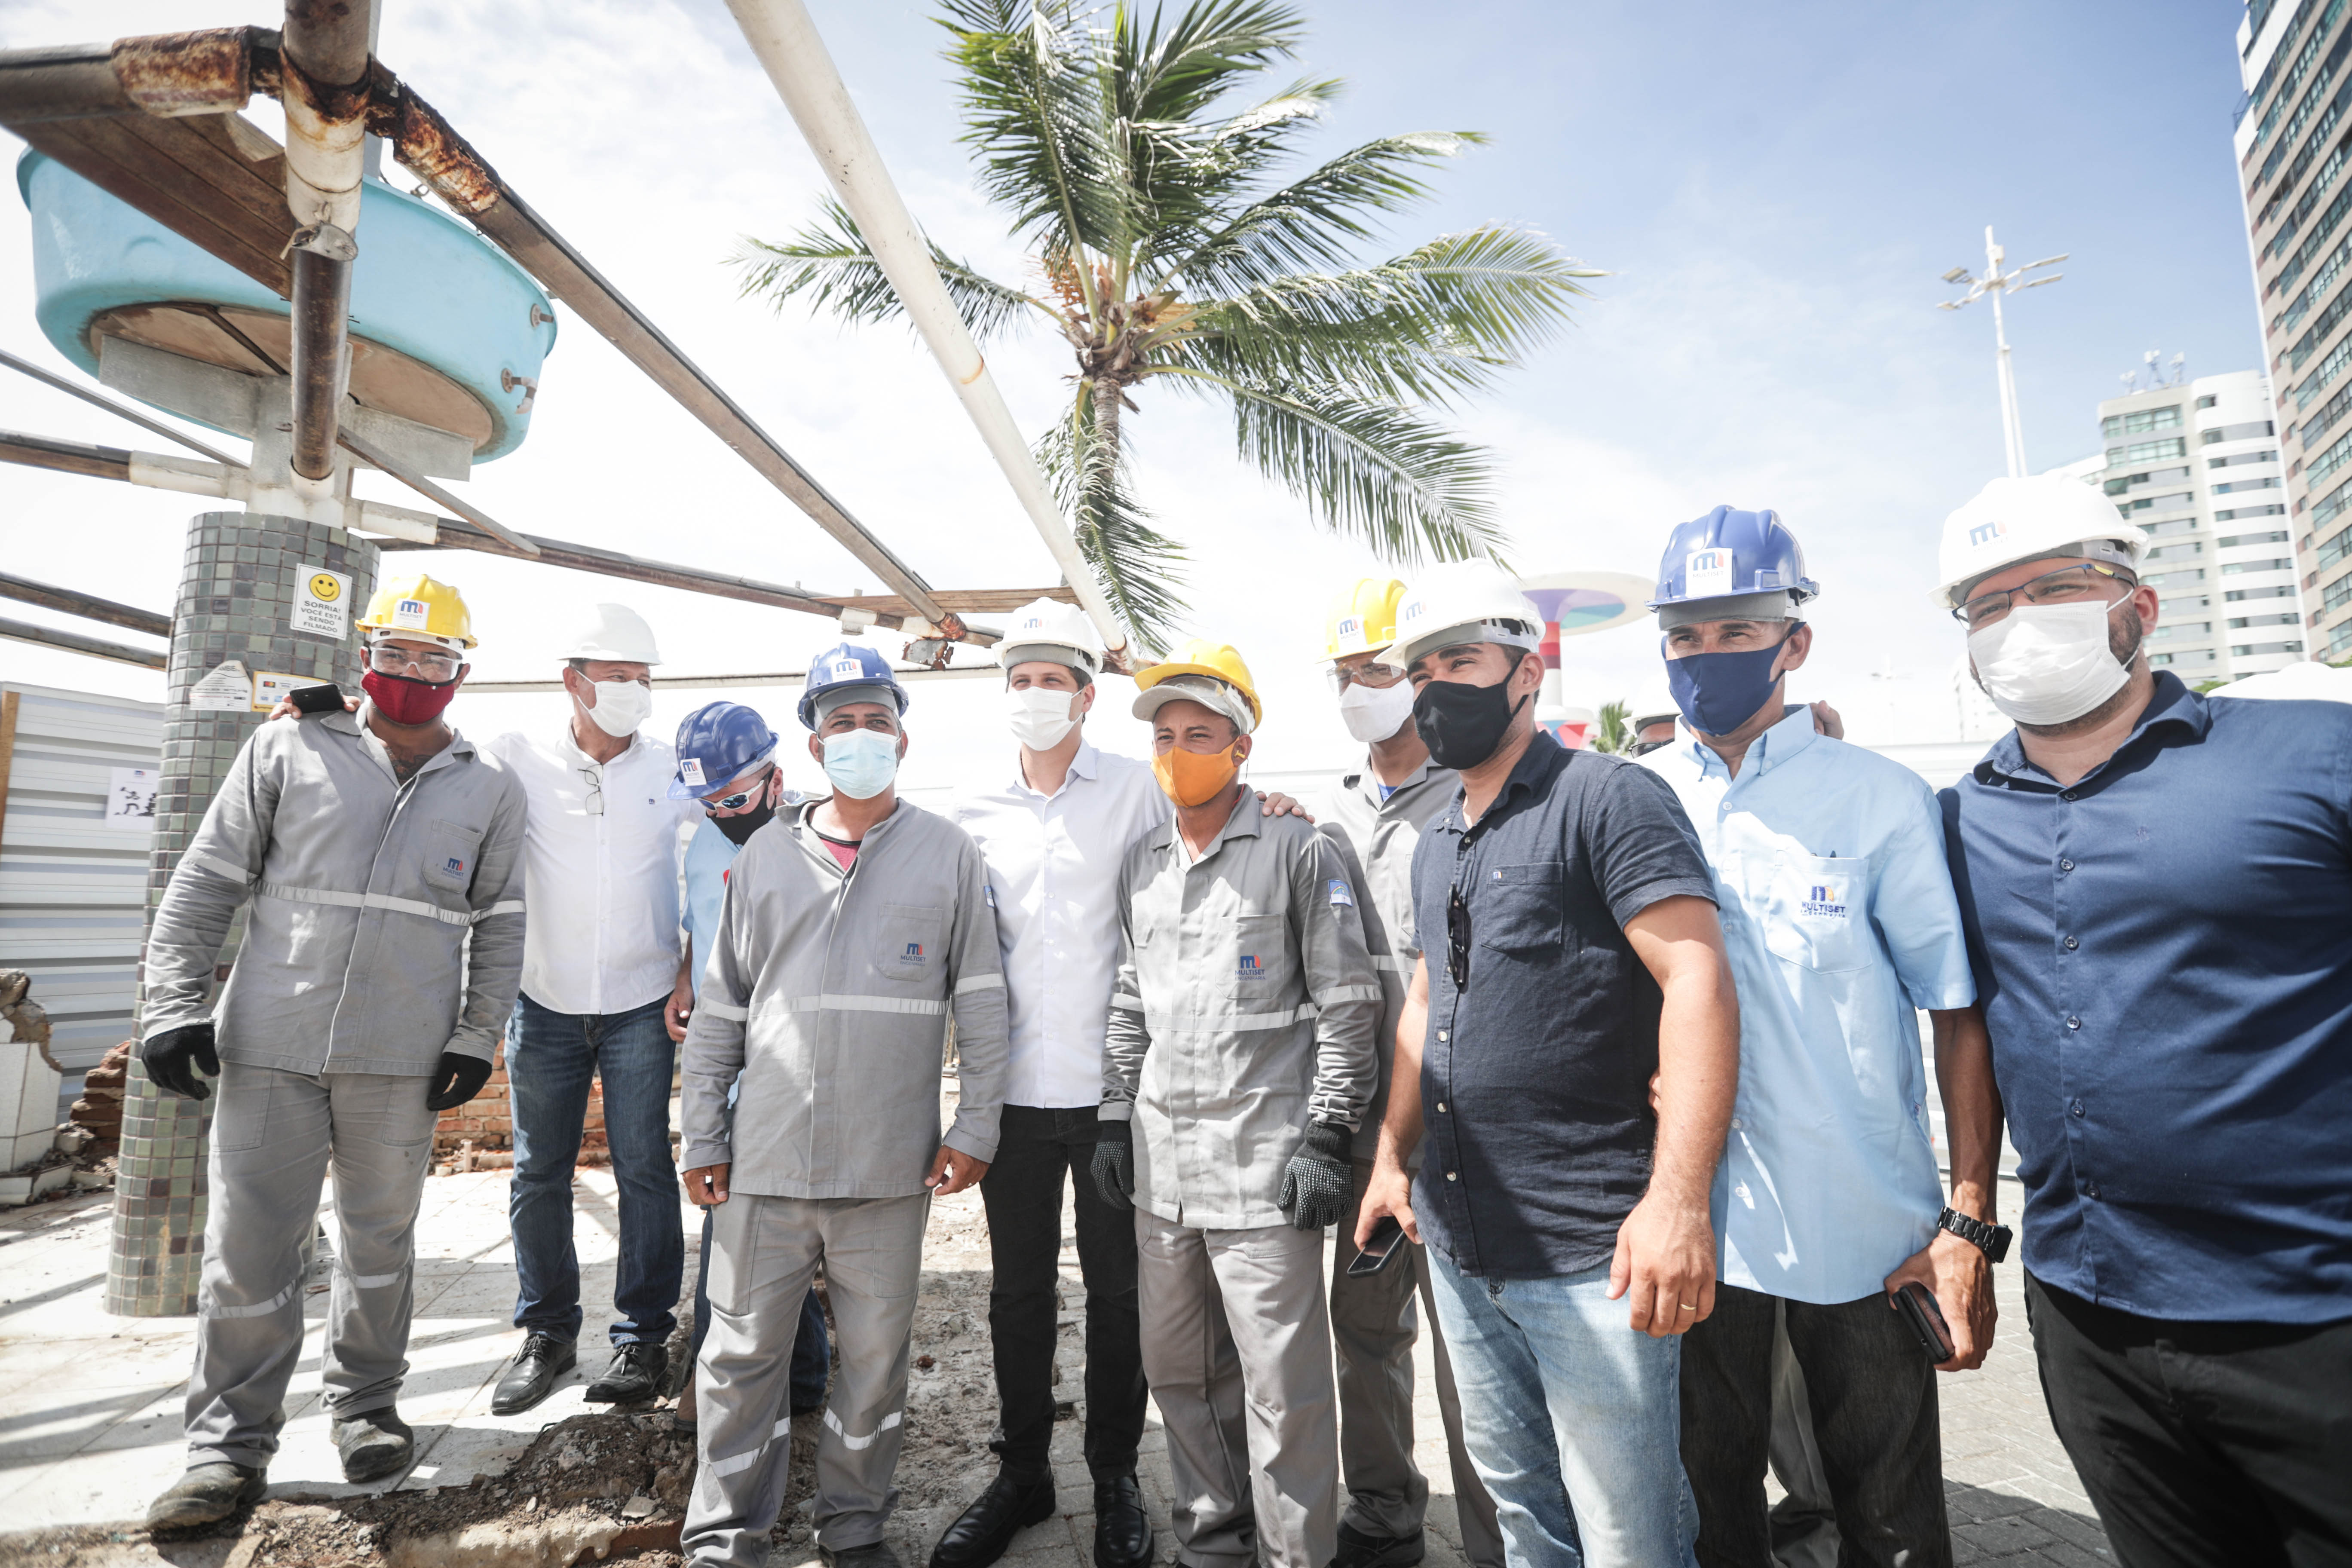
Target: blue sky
[(1776, 189)]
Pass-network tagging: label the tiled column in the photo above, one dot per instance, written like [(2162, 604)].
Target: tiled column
[(238, 586)]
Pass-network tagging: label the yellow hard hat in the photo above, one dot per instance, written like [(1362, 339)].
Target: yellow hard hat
[(418, 606), (1364, 618), (1219, 663)]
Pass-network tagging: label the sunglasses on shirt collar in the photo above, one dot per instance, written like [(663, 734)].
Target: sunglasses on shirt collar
[(1457, 939)]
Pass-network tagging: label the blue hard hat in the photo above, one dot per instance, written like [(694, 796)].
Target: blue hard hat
[(847, 664), (1727, 553), (719, 742)]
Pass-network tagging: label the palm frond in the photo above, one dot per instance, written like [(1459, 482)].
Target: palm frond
[(1175, 74), (830, 262), (1385, 473), (1140, 567), (1034, 109), (1314, 224)]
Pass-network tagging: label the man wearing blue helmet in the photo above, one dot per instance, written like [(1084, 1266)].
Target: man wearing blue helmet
[(726, 761), (1840, 919)]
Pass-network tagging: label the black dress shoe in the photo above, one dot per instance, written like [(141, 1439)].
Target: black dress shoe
[(530, 1376), (982, 1531), (1358, 1550), (634, 1376), (373, 1444), (1122, 1528)]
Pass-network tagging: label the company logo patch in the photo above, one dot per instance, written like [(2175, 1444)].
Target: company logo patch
[(914, 953), (1341, 894), (691, 769), (1349, 625), (1827, 899), (1249, 964), (848, 669), (454, 866), (412, 613), (1706, 573), (990, 889), (1986, 532)]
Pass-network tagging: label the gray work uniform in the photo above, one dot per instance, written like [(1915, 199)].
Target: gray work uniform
[(1243, 1009), (830, 993), (385, 929), (1374, 1324)]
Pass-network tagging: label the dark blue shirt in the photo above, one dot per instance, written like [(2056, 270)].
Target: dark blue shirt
[(2164, 955), (1535, 1075)]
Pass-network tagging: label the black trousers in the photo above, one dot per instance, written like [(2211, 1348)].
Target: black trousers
[(1022, 1195), (1873, 1394), (2202, 1443)]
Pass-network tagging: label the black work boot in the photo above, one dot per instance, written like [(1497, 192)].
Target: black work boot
[(1123, 1526), (982, 1531), (373, 1444), (1358, 1550), (530, 1376), (633, 1378), (206, 1495)]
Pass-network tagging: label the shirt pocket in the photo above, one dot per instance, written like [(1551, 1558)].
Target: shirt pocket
[(1517, 908), (448, 859), (1818, 917), (1262, 958), (912, 935)]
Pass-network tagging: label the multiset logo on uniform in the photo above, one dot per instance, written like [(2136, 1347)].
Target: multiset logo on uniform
[(1986, 532), (1826, 898), (1248, 965), (914, 953)]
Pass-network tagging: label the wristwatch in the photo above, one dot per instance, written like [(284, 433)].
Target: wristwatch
[(1991, 1240)]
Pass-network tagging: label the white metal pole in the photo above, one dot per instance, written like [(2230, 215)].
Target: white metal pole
[(786, 41), (2012, 433)]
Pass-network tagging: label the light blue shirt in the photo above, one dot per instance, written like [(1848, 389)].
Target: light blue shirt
[(708, 855), (1840, 919)]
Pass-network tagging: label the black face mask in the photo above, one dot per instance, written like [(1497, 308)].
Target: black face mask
[(739, 828), (1463, 725)]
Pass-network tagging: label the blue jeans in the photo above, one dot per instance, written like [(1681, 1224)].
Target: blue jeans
[(812, 1357), (551, 1059), (1574, 1419)]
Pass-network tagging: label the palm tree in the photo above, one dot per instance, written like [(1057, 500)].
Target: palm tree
[(1169, 250), (1613, 734)]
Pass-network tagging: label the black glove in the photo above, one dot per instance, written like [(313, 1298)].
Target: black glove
[(172, 1056), (1315, 1185), (1114, 1165), (456, 1079)]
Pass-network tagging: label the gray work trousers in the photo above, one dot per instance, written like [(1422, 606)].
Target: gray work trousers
[(764, 1253), (1804, 1522), (275, 1136), (1237, 1350), (1373, 1326)]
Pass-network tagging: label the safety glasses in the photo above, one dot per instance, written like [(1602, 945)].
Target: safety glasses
[(2067, 586), (1457, 939), (741, 797), (434, 665), (1379, 676)]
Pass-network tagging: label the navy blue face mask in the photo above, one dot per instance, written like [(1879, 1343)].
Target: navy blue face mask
[(1719, 692)]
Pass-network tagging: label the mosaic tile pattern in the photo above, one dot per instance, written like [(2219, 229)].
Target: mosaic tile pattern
[(239, 583)]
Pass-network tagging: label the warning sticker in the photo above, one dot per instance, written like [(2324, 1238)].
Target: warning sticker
[(323, 605), (271, 686), (226, 687)]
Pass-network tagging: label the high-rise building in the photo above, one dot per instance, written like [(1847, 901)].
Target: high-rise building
[(2295, 162), (2196, 466)]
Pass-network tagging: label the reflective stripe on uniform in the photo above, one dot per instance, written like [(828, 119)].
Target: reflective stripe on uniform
[(979, 982), (833, 1003), (1389, 961), (259, 1309), (1339, 994), (381, 901), (375, 1281), (217, 866), (853, 1443), (1238, 1022), (733, 1013)]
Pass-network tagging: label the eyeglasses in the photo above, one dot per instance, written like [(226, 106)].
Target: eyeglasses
[(2068, 585), (1457, 939), (1379, 676), (741, 798), (433, 664)]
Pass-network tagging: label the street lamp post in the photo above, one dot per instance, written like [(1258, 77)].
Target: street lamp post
[(1994, 283)]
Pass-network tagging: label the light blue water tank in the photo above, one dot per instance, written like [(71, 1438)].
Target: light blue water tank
[(446, 330)]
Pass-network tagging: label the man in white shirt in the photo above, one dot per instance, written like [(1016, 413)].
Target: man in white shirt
[(601, 959)]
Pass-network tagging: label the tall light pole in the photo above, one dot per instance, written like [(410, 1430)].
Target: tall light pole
[(1995, 283)]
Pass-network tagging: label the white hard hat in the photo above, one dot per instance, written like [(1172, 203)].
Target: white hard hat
[(614, 632), (1057, 632), (1462, 601), (2011, 520), (1650, 708)]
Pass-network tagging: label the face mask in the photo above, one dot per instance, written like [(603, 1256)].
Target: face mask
[(739, 828), (2048, 663), (407, 701), (1195, 778), (1464, 725), (621, 707), (1040, 716), (1374, 713), (862, 762), (1719, 692)]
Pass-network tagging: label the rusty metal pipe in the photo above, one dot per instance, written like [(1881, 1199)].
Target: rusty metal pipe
[(328, 40), (75, 81), (322, 305), (74, 642), (90, 606), (322, 81)]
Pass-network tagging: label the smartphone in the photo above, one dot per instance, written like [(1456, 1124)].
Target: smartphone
[(1380, 1249), (326, 699), (1927, 1320)]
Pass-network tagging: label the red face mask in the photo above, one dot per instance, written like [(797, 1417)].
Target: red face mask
[(407, 701)]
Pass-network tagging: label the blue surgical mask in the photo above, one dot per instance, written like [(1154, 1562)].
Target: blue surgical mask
[(862, 762), (1719, 692)]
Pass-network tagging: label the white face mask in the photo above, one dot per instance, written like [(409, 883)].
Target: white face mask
[(1041, 717), (621, 707), (1374, 713), (2048, 663)]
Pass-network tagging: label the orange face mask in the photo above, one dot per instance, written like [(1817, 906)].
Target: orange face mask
[(1193, 778)]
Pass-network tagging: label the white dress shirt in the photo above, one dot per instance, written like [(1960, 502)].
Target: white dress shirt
[(600, 868), (1053, 861)]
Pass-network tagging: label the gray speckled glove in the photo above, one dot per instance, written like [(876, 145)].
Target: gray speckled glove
[(1114, 1164), (1315, 1185)]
